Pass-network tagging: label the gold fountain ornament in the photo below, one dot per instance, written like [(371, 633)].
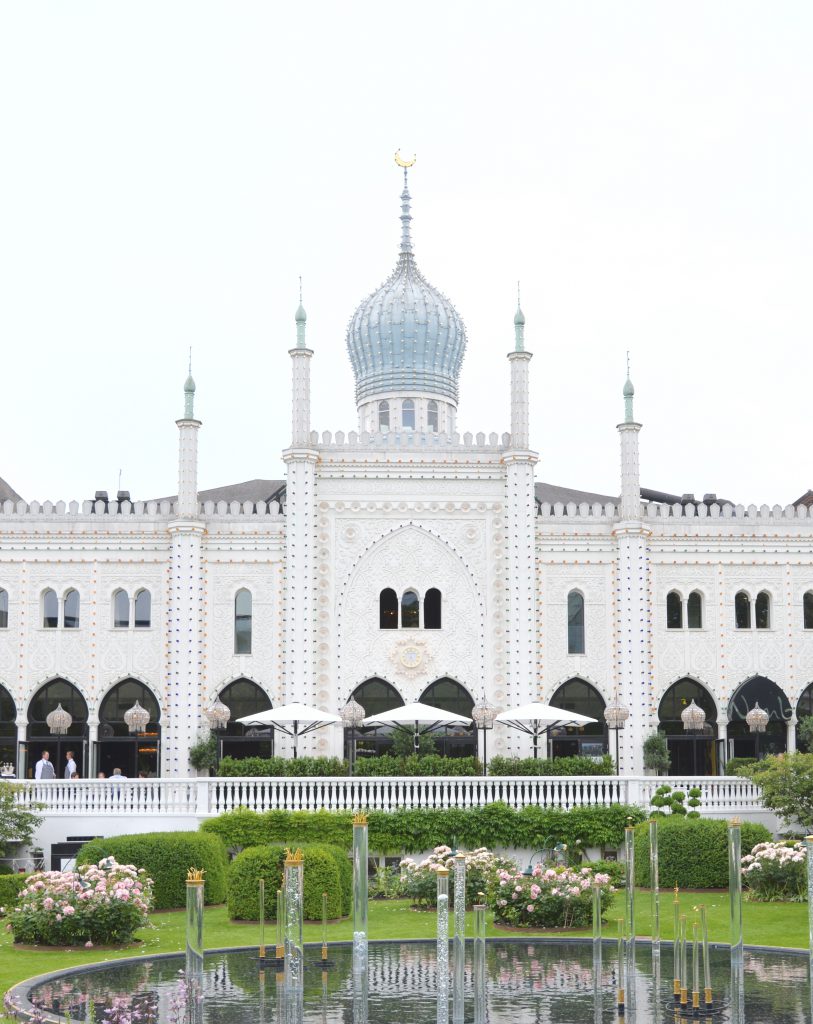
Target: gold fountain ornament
[(194, 876), (360, 818), (293, 857)]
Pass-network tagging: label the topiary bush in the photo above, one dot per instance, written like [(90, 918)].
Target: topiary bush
[(576, 765), (10, 886), (274, 767), (166, 857), (692, 852), (322, 873)]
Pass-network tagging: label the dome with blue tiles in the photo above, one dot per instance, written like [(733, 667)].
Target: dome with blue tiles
[(406, 337)]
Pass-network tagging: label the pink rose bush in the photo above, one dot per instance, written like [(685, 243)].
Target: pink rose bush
[(419, 880), (552, 896), (776, 871), (100, 903)]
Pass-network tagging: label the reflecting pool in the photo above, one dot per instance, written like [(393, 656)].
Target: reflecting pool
[(532, 980)]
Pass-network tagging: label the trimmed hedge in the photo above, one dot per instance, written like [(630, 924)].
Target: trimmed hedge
[(576, 765), (322, 873), (692, 852), (10, 886), (166, 857), (275, 767), (419, 829), (739, 765), (418, 764)]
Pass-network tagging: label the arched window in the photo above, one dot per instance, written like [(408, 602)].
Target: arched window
[(242, 622), (742, 610), (50, 609), (431, 609), (143, 609), (383, 415), (694, 610), (39, 736), (408, 414), (70, 611), (762, 610), (674, 610), (121, 609), (410, 610), (376, 696), (807, 609), (432, 415), (3, 609), (120, 748), (765, 692), (244, 697), (8, 728), (575, 623), (388, 609), (690, 753), (581, 697), (448, 695)]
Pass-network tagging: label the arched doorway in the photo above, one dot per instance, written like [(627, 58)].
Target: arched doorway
[(8, 728), (39, 737), (375, 696), (771, 698), (586, 740), (804, 709), (692, 753), (133, 753), (244, 697), (449, 695)]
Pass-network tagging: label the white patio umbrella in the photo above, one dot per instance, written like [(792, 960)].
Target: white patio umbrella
[(417, 719), (292, 719), (536, 719)]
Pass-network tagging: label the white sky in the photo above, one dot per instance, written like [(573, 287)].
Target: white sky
[(168, 170)]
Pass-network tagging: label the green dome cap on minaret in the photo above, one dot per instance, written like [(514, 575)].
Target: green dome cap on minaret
[(301, 316)]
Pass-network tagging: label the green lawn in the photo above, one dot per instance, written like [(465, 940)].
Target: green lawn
[(766, 924)]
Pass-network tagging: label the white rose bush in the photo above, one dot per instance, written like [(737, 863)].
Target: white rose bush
[(776, 872)]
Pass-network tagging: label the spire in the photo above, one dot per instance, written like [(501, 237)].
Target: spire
[(301, 318), (406, 216), (519, 326), (189, 393), (629, 391)]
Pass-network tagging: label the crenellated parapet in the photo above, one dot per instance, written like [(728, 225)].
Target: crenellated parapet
[(409, 439)]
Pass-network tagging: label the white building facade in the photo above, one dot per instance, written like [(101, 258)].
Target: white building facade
[(398, 562)]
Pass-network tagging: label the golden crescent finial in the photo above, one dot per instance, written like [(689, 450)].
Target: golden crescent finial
[(400, 160)]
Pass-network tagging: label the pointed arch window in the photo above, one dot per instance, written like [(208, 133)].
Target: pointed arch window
[(575, 623), (742, 610), (762, 610), (674, 610), (807, 609), (143, 609), (70, 612), (383, 415), (432, 609), (432, 415), (388, 609), (3, 609), (408, 414), (410, 610), (242, 622), (121, 609), (694, 610), (50, 609)]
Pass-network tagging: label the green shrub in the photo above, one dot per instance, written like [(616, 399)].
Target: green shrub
[(656, 753), (551, 766), (10, 886), (692, 852), (276, 767), (166, 857), (322, 873), (241, 827), (614, 868), (738, 765), (418, 764)]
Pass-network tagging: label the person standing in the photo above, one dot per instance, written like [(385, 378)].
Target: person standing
[(43, 769), (70, 765)]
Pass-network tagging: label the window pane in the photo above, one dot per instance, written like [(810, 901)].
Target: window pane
[(242, 622), (742, 610), (674, 611), (121, 610), (408, 414), (71, 617), (694, 609), (143, 609), (3, 609), (50, 610), (808, 609), (410, 610), (383, 414), (575, 623), (388, 609), (432, 415), (763, 610), (431, 609)]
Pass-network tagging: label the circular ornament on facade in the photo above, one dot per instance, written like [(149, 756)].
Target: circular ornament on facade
[(323, 695), (471, 534), (409, 656), (350, 533)]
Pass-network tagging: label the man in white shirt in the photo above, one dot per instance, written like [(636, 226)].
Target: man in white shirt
[(43, 769), (70, 765)]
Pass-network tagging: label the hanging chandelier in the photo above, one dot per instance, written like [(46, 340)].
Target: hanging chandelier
[(352, 714), (217, 715), (693, 717), (483, 714), (757, 718), (59, 721), (136, 718), (616, 715)]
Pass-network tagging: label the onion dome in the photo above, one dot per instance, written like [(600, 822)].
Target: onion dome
[(406, 336)]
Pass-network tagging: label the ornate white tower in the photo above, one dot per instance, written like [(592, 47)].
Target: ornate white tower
[(185, 602)]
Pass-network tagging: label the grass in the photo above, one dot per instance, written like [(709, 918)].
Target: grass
[(765, 924)]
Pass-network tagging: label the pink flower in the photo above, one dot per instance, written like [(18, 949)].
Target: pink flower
[(88, 944), (68, 911), (530, 908), (535, 891)]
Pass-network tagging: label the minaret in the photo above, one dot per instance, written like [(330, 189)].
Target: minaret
[(185, 602), (633, 678), (300, 529), (519, 464)]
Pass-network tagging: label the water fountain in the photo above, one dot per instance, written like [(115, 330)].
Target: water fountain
[(360, 870), (459, 977), (442, 960)]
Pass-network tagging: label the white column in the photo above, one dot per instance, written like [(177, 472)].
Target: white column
[(630, 482), (633, 645), (188, 467), (519, 399), (300, 396), (791, 734)]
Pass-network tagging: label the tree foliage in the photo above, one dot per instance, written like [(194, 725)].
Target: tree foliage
[(656, 753), (786, 781), (17, 824)]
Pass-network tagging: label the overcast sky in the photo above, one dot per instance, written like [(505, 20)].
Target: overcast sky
[(169, 169)]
